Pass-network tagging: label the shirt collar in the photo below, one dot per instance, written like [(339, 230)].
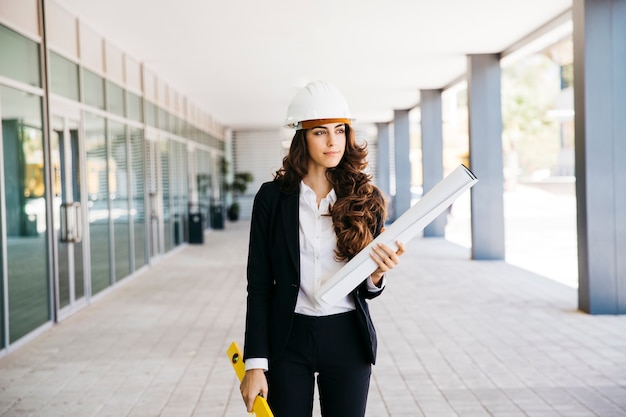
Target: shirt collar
[(308, 192)]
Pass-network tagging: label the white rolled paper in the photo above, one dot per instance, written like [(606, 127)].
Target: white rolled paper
[(405, 228)]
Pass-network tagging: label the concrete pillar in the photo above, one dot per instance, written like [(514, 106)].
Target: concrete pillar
[(600, 124), (383, 170), (402, 149), (485, 143), (432, 153)]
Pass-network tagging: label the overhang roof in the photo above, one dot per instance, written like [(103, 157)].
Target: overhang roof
[(243, 60)]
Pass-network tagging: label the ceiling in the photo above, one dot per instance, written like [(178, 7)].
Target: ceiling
[(243, 60)]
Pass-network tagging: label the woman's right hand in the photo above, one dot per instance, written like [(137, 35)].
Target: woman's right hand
[(253, 384)]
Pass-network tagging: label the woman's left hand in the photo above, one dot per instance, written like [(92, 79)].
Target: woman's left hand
[(386, 259)]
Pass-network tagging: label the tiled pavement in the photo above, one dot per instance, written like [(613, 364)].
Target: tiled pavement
[(457, 338)]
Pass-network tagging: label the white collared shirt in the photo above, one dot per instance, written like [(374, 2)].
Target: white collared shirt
[(317, 253)]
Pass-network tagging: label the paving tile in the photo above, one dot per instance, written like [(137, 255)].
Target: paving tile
[(457, 338)]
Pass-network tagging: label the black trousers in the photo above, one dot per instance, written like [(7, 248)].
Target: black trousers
[(330, 347)]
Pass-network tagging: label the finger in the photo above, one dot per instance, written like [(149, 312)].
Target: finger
[(394, 255), (388, 262), (252, 399), (383, 250), (379, 254), (390, 254), (248, 399), (250, 404), (401, 247), (378, 260), (386, 254), (389, 251)]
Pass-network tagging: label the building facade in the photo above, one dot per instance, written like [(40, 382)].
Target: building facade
[(102, 162)]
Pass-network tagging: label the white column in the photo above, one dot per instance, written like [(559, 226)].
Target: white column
[(485, 137), (402, 151), (432, 152), (600, 124)]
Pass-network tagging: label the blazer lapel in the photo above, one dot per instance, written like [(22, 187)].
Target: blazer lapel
[(291, 226)]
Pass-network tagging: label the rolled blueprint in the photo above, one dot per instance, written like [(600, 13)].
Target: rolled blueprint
[(405, 228)]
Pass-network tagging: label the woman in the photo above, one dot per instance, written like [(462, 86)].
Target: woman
[(319, 211)]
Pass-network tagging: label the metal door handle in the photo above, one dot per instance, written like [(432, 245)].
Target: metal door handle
[(71, 223)]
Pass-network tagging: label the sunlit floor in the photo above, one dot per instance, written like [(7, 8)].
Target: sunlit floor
[(540, 230), (457, 338)]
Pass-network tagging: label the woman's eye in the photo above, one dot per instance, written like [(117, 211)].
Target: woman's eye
[(340, 131), (319, 132)]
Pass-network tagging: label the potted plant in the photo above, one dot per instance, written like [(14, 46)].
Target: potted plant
[(237, 187), (233, 211)]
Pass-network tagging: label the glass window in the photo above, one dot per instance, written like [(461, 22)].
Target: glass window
[(163, 119), (204, 183), (183, 127), (115, 99), (166, 203), (93, 89), (151, 114), (154, 197), (20, 57), (204, 138), (178, 190), (138, 208), (118, 193), (2, 331), (174, 125), (76, 178), (183, 190), (98, 204), (134, 107), (64, 77), (25, 211)]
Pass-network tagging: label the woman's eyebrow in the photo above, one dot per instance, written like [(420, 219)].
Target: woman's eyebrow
[(332, 127)]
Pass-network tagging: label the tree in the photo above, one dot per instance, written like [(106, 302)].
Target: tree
[(529, 90)]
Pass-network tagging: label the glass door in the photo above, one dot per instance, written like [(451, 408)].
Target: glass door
[(155, 230), (24, 279), (69, 225)]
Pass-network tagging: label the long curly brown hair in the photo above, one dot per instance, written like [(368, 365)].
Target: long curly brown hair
[(360, 206)]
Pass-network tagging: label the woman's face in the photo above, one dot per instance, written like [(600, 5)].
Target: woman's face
[(326, 145)]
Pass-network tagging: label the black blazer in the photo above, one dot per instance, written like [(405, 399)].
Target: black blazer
[(274, 276)]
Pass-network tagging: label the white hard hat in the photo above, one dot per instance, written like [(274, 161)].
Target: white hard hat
[(318, 100)]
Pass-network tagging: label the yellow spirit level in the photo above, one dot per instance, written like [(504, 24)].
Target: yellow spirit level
[(260, 407)]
